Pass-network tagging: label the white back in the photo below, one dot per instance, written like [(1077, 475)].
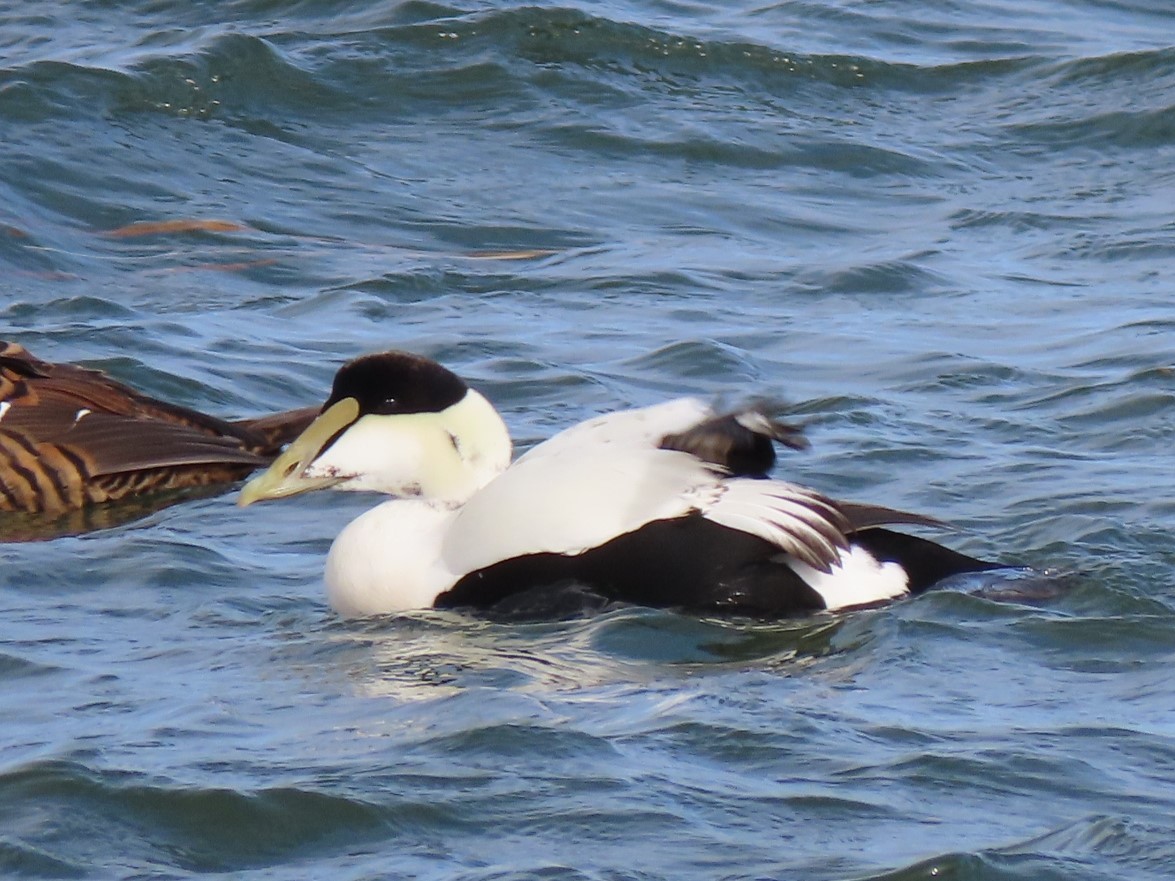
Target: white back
[(643, 427), (570, 501)]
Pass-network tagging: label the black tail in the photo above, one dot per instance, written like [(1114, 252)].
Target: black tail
[(925, 562)]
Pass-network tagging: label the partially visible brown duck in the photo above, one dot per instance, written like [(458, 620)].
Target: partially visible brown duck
[(71, 437)]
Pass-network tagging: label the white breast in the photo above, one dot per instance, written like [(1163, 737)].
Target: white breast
[(389, 560)]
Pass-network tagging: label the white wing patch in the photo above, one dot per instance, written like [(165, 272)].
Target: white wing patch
[(82, 413), (4, 408), (857, 580)]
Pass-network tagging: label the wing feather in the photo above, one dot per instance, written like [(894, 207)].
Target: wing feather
[(570, 500), (798, 520), (864, 516)]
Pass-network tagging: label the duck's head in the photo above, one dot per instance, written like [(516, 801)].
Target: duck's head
[(394, 423)]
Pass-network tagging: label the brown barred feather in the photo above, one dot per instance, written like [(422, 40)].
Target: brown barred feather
[(71, 437)]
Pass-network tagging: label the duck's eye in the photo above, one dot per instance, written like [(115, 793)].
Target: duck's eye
[(387, 406)]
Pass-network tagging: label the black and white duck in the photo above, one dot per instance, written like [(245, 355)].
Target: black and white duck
[(668, 505)]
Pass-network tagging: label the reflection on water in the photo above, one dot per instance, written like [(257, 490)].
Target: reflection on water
[(20, 526)]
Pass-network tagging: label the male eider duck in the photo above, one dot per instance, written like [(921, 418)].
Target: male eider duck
[(71, 437), (665, 506)]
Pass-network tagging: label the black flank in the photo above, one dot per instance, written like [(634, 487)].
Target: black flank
[(694, 563), (687, 562)]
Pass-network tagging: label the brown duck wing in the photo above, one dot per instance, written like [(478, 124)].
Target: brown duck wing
[(70, 436), (112, 444), (111, 458), (28, 383), (271, 433)]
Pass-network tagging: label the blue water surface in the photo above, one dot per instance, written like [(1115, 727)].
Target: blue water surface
[(943, 231)]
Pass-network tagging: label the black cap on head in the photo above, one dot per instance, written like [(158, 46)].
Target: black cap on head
[(397, 382)]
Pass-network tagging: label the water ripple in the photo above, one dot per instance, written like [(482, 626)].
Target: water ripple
[(183, 829), (942, 233)]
